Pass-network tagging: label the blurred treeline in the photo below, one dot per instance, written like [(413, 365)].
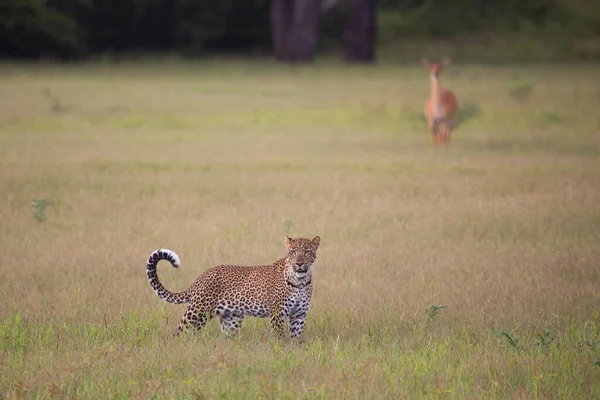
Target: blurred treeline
[(70, 29)]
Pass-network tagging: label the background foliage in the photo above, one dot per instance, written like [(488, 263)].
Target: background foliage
[(80, 28)]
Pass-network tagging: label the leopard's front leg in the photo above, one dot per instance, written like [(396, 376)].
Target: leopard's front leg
[(297, 324), (277, 323), (298, 317)]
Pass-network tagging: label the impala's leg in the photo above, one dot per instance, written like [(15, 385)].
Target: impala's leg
[(445, 132), (431, 127), (451, 125), (439, 132)]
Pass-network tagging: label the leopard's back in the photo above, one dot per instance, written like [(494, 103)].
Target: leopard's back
[(251, 290)]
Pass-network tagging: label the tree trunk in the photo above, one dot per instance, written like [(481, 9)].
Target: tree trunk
[(295, 29), (281, 19), (360, 33)]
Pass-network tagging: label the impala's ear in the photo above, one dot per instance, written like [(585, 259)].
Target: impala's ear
[(316, 241), (288, 242), (446, 61), (426, 63)]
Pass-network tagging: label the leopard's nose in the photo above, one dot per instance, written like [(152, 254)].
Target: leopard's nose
[(299, 264)]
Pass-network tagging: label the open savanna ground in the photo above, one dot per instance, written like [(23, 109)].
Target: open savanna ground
[(218, 161)]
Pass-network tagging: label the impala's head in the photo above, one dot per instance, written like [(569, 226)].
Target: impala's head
[(435, 69), (301, 253)]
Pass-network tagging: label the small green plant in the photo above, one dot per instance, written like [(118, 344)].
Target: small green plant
[(511, 338), (432, 311), (592, 344), (548, 117), (39, 206), (287, 225), (56, 104), (546, 338), (468, 110), (521, 92)]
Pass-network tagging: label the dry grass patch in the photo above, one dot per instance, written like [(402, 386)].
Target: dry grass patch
[(102, 165)]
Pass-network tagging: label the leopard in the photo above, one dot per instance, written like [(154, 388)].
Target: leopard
[(281, 291)]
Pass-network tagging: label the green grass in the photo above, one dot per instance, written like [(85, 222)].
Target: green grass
[(462, 272)]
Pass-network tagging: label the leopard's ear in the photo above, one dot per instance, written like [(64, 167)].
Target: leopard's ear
[(288, 242), (316, 241)]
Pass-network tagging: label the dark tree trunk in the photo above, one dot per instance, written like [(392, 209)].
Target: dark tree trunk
[(360, 33), (295, 29), (282, 12), (305, 30)]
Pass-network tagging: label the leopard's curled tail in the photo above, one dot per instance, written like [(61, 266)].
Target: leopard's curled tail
[(166, 295)]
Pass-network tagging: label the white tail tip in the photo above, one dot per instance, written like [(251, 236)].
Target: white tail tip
[(169, 255)]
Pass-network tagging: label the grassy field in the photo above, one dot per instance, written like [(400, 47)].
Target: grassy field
[(102, 164)]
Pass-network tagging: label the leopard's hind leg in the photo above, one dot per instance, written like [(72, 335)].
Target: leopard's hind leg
[(231, 325), (195, 317)]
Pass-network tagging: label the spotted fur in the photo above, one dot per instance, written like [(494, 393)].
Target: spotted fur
[(281, 291)]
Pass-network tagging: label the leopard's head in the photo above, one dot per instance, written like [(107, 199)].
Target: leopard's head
[(301, 254)]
